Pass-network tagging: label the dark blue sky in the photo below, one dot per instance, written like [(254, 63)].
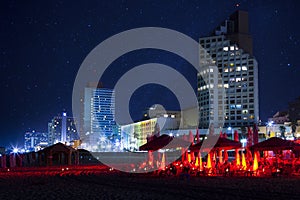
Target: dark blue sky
[(43, 44)]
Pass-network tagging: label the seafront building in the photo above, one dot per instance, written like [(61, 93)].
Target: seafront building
[(230, 48), (100, 131), (227, 86)]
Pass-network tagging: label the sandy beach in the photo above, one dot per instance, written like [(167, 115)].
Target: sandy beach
[(68, 183)]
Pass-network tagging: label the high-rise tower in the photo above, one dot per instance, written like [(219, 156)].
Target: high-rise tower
[(230, 48), (100, 129)]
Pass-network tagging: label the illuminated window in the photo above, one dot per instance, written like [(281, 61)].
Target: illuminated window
[(238, 106), (211, 70), (225, 69), (244, 68), (226, 85), (225, 48), (231, 48), (238, 79), (238, 69), (245, 111), (231, 64)]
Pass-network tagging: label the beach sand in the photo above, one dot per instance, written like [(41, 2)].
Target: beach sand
[(105, 184)]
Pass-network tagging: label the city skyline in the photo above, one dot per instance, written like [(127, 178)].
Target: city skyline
[(56, 46)]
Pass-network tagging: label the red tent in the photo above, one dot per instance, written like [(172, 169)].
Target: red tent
[(177, 142), (275, 144), (221, 143), (156, 143), (164, 142)]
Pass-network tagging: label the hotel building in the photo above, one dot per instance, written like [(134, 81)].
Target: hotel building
[(100, 131), (232, 68)]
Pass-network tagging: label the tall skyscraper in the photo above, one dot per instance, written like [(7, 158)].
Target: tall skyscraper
[(230, 50), (62, 129), (100, 132)]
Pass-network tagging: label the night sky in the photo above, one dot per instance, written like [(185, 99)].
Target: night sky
[(43, 44)]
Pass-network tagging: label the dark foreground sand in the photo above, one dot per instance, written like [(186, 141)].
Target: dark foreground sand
[(114, 185)]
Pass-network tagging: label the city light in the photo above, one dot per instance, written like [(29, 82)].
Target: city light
[(15, 150), (270, 123), (102, 139)]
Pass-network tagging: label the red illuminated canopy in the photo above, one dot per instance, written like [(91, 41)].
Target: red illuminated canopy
[(274, 144), (220, 143)]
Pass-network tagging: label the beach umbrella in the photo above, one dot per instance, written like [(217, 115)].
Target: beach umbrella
[(249, 155), (255, 134), (225, 155), (220, 156), (200, 161), (274, 144), (244, 164), (157, 143), (163, 161), (255, 162), (197, 161), (249, 137), (189, 157), (258, 155), (208, 163), (220, 143), (237, 157)]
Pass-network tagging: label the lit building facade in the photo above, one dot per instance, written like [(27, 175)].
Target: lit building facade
[(136, 134), (100, 131), (35, 141), (62, 129), (230, 50)]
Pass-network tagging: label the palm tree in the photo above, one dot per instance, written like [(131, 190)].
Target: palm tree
[(282, 131)]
